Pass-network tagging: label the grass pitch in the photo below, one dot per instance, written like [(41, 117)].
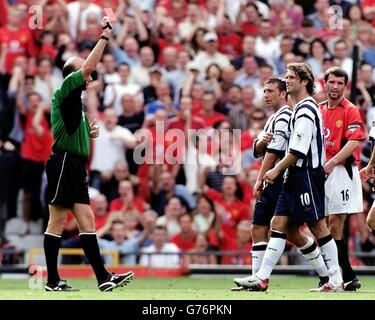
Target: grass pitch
[(281, 288)]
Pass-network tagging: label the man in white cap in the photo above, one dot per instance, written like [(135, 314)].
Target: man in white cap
[(210, 54)]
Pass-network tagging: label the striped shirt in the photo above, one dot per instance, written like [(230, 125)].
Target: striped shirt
[(278, 124), (306, 134)]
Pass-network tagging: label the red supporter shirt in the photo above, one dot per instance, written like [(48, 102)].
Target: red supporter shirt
[(117, 204), (249, 29), (99, 220), (178, 123), (18, 44), (237, 259), (162, 44), (209, 121), (184, 244), (3, 14), (247, 140), (235, 212), (33, 147), (341, 124), (230, 44)]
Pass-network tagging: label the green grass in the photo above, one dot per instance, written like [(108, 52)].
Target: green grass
[(281, 288)]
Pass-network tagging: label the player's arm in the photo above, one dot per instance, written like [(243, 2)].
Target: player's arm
[(284, 164), (94, 57), (299, 143), (343, 154), (368, 171), (260, 144), (267, 164), (354, 134)]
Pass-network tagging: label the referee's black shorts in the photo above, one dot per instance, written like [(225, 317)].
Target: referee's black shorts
[(67, 180)]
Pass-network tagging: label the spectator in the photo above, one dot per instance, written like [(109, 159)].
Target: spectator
[(229, 208), (200, 254), (204, 216), (240, 245), (320, 6), (318, 51), (127, 247), (210, 54), (208, 113), (120, 172), (165, 187), (154, 256), (77, 15), (185, 239), (240, 118), (14, 41), (114, 93), (173, 210), (35, 150), (127, 201), (266, 46), (249, 26), (45, 81), (194, 20), (109, 148), (139, 74), (249, 75)]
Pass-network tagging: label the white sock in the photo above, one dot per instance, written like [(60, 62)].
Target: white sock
[(275, 249), (257, 254), (312, 254), (330, 255)]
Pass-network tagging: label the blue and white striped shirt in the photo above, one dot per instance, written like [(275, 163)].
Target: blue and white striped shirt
[(306, 134), (278, 124)]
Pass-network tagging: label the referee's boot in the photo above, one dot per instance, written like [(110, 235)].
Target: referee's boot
[(60, 286), (352, 285), (115, 280)]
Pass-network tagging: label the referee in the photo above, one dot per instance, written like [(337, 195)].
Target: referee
[(66, 170)]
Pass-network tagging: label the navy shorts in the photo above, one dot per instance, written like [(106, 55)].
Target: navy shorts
[(265, 207), (302, 195)]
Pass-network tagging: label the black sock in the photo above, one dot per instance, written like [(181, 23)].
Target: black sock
[(347, 271), (90, 246), (51, 251), (373, 232)]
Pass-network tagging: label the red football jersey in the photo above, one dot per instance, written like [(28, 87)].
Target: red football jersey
[(341, 124), (34, 147), (235, 212), (184, 244), (18, 43)]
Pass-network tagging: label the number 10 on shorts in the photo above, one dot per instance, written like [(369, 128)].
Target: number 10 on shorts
[(305, 199)]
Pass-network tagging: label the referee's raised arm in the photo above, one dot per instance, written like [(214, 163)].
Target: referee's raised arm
[(94, 57)]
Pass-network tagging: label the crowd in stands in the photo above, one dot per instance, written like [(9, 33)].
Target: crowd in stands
[(188, 64)]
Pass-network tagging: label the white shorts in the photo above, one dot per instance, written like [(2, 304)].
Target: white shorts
[(342, 194)]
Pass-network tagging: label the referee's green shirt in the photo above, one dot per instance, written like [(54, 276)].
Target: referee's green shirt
[(70, 125)]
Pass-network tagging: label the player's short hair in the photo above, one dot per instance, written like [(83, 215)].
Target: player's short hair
[(303, 72), (338, 72), (279, 83)]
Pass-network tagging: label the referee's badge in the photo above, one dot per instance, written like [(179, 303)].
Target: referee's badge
[(339, 123)]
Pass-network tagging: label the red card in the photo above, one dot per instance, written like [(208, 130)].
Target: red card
[(110, 14)]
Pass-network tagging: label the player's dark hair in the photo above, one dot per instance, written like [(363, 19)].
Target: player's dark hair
[(338, 72), (279, 83), (303, 72)]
